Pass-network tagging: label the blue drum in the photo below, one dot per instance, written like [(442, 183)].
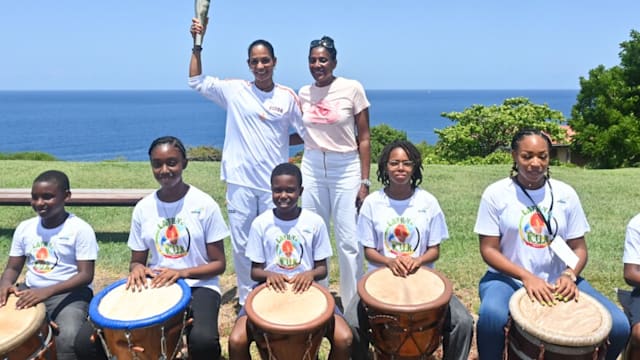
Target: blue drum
[(141, 324)]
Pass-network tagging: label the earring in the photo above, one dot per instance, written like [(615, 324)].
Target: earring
[(514, 170)]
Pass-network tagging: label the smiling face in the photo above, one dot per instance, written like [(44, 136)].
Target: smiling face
[(167, 163), (321, 66), (47, 200), (399, 167), (532, 160), (285, 191), (261, 63)]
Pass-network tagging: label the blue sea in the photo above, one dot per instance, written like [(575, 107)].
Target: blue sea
[(107, 125)]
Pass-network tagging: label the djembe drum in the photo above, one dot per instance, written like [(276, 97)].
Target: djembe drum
[(565, 331), (146, 324), (286, 325), (25, 334), (405, 314)]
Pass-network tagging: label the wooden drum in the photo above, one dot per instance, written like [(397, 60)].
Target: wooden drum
[(145, 324), (25, 334), (567, 330), (285, 325), (405, 315)]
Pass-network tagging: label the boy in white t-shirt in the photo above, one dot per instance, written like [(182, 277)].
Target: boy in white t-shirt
[(59, 250), (288, 245)]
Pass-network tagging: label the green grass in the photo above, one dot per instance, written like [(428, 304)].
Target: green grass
[(608, 196)]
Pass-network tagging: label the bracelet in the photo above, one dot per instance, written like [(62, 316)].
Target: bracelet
[(570, 274), (196, 48), (366, 182)]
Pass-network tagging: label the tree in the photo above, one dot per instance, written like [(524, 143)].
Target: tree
[(381, 135), (606, 117), (481, 130)]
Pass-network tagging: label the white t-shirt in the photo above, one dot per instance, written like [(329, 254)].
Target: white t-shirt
[(257, 128), (288, 247), (52, 255), (632, 242), (176, 234), (506, 211), (329, 114), (401, 227)]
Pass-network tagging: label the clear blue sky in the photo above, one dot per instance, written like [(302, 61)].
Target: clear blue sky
[(405, 44)]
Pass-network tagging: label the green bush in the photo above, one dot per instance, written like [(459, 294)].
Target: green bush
[(28, 155), (381, 135), (204, 153)]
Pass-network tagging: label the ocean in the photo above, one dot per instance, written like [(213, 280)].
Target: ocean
[(108, 125)]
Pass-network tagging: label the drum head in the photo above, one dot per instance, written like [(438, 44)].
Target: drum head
[(286, 312), (424, 289), (16, 326), (118, 308), (582, 323)]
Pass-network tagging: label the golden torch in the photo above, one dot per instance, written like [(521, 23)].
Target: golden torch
[(202, 10)]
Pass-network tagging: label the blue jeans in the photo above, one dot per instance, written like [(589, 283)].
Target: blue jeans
[(496, 290)]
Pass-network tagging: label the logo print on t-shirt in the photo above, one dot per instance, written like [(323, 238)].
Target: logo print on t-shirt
[(289, 251), (533, 229), (323, 113), (401, 236), (173, 238), (44, 257)]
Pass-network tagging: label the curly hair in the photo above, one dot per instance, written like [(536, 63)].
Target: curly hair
[(412, 152)]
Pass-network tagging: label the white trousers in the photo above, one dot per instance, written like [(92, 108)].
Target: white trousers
[(331, 183), (243, 206)]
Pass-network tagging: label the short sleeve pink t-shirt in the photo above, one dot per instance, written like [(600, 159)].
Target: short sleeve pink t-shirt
[(329, 114)]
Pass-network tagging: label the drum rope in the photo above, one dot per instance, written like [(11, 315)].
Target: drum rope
[(270, 353), (181, 339), (163, 345), (307, 354), (391, 323), (104, 343), (127, 335)]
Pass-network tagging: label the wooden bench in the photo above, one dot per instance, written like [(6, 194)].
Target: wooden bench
[(81, 197)]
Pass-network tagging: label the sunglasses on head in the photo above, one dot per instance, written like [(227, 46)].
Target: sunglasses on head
[(323, 42)]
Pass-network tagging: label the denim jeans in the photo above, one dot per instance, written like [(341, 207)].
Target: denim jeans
[(496, 290)]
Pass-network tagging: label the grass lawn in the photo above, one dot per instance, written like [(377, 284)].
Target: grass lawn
[(609, 199)]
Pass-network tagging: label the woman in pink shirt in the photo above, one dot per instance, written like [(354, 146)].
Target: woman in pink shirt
[(336, 161)]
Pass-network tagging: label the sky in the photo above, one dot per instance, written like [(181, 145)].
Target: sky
[(402, 44)]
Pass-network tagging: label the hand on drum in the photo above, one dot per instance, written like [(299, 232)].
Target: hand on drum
[(31, 297), (566, 289), (539, 290), (277, 282), (137, 279), (301, 282), (4, 293), (403, 265)]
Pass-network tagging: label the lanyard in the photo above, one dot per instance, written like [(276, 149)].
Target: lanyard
[(547, 222)]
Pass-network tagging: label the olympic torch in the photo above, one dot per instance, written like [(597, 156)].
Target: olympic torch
[(202, 10)]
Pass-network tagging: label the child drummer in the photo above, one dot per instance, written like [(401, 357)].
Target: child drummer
[(59, 250), (401, 227), (304, 230)]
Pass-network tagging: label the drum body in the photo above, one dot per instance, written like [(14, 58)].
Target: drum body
[(405, 315), (286, 325), (146, 324), (25, 334), (567, 330)]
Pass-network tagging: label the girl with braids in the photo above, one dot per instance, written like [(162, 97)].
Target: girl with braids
[(188, 246), (401, 227), (517, 219)]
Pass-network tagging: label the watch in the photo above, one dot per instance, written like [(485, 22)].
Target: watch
[(366, 182)]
